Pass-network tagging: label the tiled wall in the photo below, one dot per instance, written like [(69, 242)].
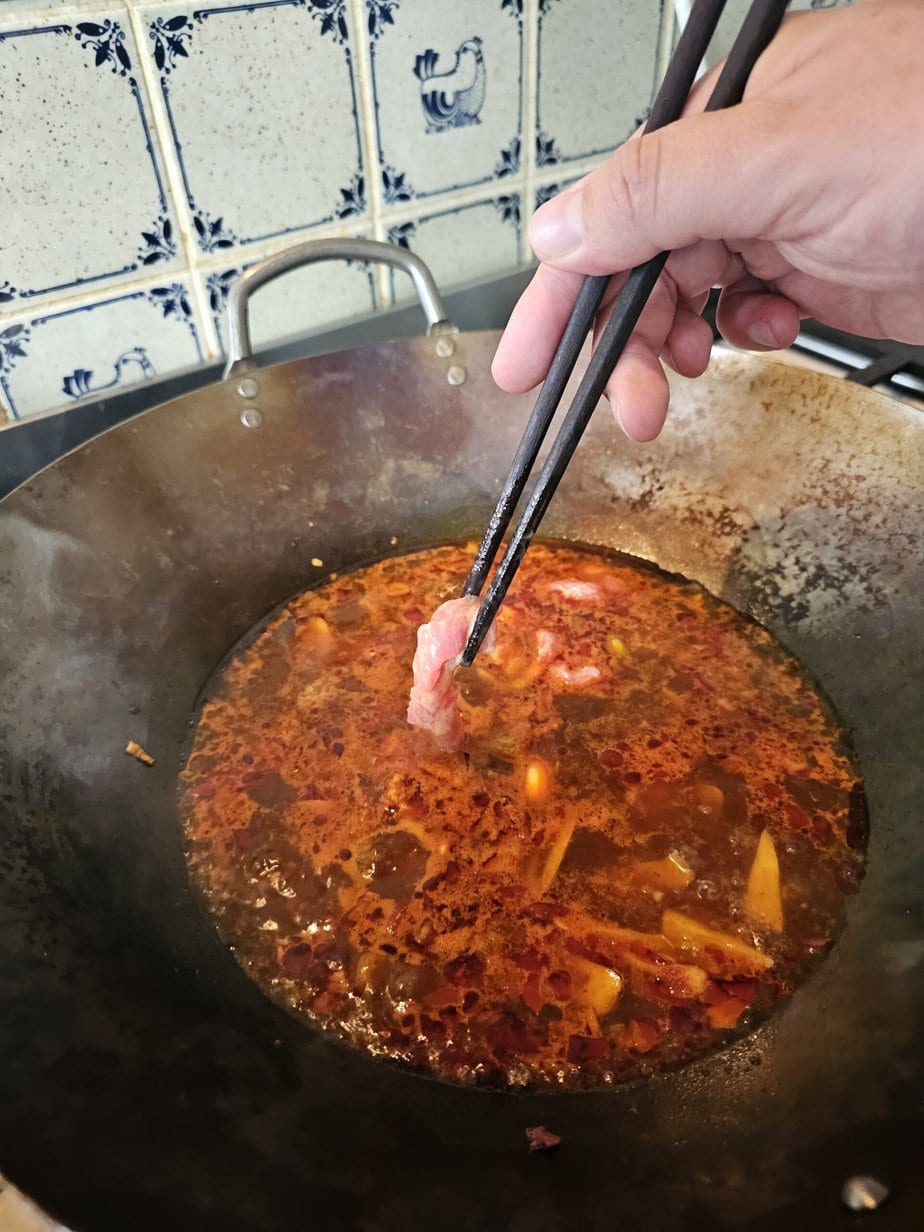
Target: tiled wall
[(149, 152)]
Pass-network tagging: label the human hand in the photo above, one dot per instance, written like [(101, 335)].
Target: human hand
[(807, 199)]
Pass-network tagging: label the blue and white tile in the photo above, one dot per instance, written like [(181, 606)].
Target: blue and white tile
[(545, 192), (51, 358), (83, 194), (260, 101), (298, 303), (733, 16), (463, 244), (537, 196), (597, 72), (448, 93)]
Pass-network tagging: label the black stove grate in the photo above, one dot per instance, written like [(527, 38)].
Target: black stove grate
[(875, 363), (895, 368)]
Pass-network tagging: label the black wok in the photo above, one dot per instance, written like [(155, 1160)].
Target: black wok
[(145, 1083)]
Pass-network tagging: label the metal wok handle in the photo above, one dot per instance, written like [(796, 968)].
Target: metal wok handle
[(240, 350)]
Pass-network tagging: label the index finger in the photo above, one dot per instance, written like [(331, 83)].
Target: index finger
[(535, 329)]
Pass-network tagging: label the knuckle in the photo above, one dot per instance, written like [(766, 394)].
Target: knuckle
[(630, 185)]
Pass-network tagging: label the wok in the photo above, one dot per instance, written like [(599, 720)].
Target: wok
[(145, 1083)]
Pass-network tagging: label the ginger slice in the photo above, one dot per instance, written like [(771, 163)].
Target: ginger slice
[(714, 950), (762, 900)]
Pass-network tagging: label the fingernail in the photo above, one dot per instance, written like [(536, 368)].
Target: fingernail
[(761, 335), (557, 229)]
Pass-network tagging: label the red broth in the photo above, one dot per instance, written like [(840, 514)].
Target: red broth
[(622, 868)]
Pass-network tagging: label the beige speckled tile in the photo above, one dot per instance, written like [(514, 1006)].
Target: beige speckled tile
[(298, 302), (55, 354), (448, 93), (461, 244), (83, 195), (260, 104), (597, 71)]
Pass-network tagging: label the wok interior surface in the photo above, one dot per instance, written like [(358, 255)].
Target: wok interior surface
[(145, 1082)]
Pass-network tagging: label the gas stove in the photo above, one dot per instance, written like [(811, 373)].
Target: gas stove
[(892, 368)]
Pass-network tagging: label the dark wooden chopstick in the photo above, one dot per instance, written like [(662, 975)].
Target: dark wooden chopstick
[(667, 107), (759, 27)]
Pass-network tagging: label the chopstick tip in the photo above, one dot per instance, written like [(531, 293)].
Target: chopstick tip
[(467, 657)]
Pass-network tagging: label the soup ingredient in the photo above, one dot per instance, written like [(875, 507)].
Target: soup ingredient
[(537, 784), (596, 986), (564, 900), (555, 856), (763, 901), (434, 701), (577, 677), (718, 952), (671, 872)]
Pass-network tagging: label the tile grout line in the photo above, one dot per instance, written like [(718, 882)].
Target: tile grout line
[(259, 250), (412, 211), (570, 170), (210, 339), (194, 267), (530, 112), (440, 203), (543, 177), (208, 265), (101, 295), (369, 141), (244, 258)]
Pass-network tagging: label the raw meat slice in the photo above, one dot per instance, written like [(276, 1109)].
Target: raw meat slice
[(434, 701), (575, 588)]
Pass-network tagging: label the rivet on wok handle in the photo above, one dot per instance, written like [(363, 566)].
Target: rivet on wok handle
[(456, 375), (240, 350), (251, 417), (863, 1193)]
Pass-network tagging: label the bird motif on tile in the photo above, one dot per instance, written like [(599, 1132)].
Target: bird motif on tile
[(454, 98), (78, 384)]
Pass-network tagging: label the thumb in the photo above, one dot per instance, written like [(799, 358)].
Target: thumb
[(715, 175)]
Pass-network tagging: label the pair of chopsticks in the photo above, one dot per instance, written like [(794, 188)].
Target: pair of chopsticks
[(759, 27)]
